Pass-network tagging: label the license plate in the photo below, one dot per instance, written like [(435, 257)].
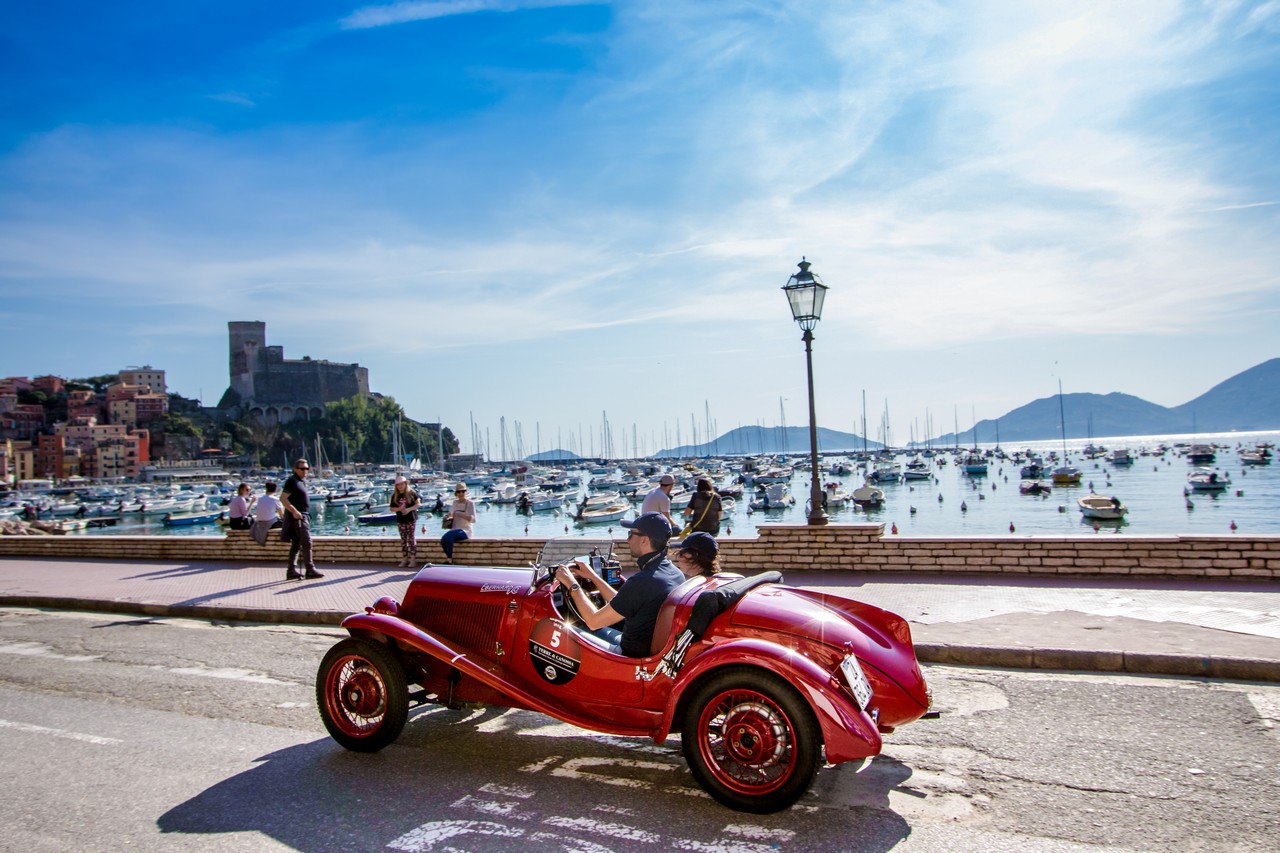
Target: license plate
[(857, 681)]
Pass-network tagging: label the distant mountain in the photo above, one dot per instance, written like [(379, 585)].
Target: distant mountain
[(1247, 401), (751, 440), (555, 456)]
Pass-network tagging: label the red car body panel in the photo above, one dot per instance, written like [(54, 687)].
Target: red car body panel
[(492, 634)]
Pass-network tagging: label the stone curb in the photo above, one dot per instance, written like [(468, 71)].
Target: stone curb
[(1088, 660), (1007, 657)]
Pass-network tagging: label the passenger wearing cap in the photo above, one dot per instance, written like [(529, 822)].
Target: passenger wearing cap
[(461, 515), (659, 500), (404, 503), (698, 555), (638, 601)]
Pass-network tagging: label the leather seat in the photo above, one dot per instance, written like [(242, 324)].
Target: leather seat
[(667, 615)]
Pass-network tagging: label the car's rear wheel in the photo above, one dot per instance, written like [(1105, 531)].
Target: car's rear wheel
[(751, 740), (362, 695)]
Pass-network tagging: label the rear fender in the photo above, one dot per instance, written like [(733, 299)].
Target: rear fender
[(847, 732)]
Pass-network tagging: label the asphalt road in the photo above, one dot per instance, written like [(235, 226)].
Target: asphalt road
[(157, 734)]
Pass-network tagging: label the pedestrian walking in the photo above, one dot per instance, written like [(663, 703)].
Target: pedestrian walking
[(659, 500), (297, 524), (404, 503)]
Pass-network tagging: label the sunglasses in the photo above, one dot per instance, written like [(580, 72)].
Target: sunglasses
[(631, 533)]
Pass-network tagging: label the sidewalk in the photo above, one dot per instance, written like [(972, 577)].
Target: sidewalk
[(1193, 627)]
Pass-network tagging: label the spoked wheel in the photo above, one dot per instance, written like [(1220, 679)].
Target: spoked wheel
[(751, 740), (362, 694)]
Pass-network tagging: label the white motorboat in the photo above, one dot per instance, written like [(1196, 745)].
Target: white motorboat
[(776, 496), (834, 495), (1207, 480), (1102, 507), (613, 512), (1120, 457), (868, 496)]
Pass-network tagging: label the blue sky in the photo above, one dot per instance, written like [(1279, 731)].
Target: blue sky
[(546, 211)]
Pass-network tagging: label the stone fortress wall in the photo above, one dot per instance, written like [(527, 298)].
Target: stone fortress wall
[(264, 383)]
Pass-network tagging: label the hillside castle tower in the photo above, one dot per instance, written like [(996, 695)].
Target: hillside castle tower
[(277, 390)]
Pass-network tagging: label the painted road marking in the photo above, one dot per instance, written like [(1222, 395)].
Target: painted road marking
[(44, 652), (40, 650), (62, 733)]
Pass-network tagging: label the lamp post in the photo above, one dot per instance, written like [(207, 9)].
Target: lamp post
[(805, 292)]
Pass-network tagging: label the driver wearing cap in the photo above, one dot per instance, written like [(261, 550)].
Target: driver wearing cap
[(639, 599)]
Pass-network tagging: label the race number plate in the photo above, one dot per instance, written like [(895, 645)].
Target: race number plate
[(857, 681)]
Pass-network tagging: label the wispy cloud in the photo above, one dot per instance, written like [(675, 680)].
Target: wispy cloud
[(421, 10)]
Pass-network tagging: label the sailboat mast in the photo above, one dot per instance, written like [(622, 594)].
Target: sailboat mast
[(1062, 415)]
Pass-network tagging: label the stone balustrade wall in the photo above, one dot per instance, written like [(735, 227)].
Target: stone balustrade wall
[(841, 547)]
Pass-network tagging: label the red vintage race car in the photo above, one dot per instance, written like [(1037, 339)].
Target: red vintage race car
[(764, 682)]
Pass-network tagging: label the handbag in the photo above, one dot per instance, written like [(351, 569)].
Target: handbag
[(447, 522), (688, 528)]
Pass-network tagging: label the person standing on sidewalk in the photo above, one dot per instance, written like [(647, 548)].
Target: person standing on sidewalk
[(659, 500), (404, 503), (703, 511), (462, 514), (296, 504)]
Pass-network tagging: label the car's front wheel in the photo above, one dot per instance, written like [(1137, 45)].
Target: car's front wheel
[(362, 695), (751, 740)]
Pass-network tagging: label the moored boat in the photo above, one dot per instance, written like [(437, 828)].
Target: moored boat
[(868, 496), (1066, 475), (1102, 507), (1207, 480), (184, 519)]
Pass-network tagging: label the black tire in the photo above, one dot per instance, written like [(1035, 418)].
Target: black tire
[(362, 695), (751, 740)]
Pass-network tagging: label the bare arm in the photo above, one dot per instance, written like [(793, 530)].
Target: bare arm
[(592, 617)]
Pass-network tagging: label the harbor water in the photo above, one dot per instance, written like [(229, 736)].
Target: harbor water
[(1154, 488)]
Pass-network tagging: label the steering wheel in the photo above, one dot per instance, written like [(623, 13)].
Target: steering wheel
[(563, 602)]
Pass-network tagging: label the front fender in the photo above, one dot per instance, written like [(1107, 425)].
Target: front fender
[(413, 637), (847, 732)]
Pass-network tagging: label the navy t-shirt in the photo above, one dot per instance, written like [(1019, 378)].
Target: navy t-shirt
[(640, 599), (296, 490)]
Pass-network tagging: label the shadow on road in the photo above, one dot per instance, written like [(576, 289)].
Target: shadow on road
[(455, 785)]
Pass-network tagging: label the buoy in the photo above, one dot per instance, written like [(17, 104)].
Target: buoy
[(894, 528), (1190, 505), (1233, 525), (964, 507), (1096, 527), (1011, 527), (982, 497), (913, 510), (526, 530), (939, 497), (1239, 493)]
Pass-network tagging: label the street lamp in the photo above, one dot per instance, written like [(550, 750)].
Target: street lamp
[(805, 292)]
